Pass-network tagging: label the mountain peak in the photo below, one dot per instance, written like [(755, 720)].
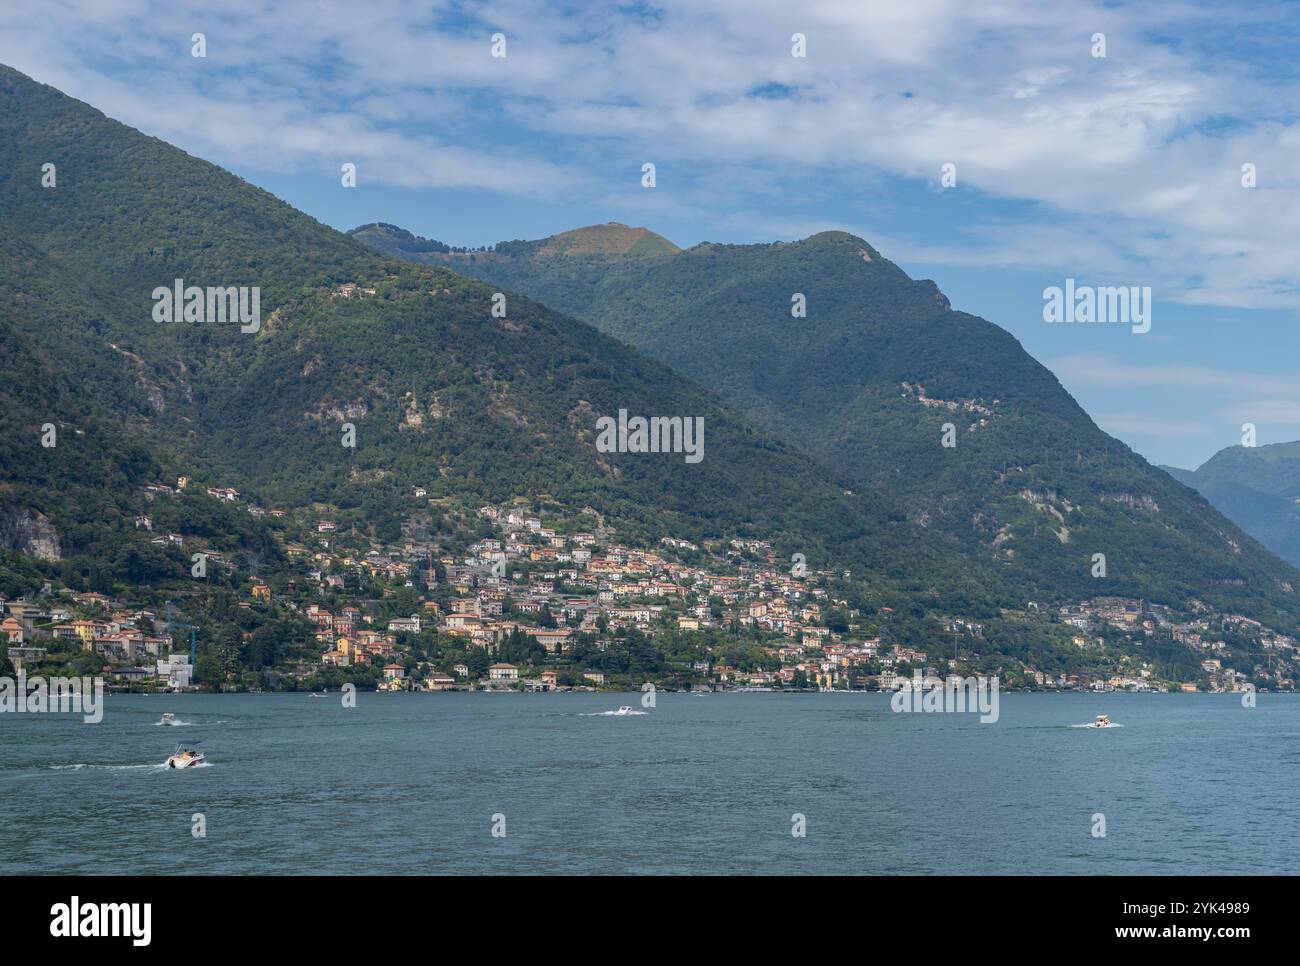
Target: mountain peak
[(833, 235), (611, 238)]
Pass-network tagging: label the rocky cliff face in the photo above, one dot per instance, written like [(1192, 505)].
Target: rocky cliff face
[(28, 531)]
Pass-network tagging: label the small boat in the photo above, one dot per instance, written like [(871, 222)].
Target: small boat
[(1103, 721), (624, 709), (168, 718), (185, 756)]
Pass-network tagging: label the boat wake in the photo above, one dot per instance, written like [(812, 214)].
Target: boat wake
[(83, 765), (610, 714)]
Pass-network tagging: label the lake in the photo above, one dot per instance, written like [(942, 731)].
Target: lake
[(410, 783)]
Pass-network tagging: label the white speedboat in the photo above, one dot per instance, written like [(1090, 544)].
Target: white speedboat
[(1103, 721), (185, 756), (168, 718), (624, 709)]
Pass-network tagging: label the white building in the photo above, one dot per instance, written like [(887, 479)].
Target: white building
[(176, 670), (503, 672)]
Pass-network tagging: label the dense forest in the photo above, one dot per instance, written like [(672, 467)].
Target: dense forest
[(866, 382), (370, 375), (440, 391)]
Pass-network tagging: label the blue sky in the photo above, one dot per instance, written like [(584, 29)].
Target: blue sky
[(1115, 170)]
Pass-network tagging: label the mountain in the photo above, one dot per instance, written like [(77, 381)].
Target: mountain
[(1259, 488), (476, 395), (68, 467), (866, 383), (609, 239), (438, 390)]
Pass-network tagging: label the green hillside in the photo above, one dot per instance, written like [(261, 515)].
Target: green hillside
[(441, 393), (475, 406), (866, 382)]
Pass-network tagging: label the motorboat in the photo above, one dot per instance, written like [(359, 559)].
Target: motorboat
[(1103, 721), (168, 718), (624, 709), (186, 756)]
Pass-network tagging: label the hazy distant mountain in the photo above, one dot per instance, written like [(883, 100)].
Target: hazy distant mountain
[(866, 383), (1259, 488)]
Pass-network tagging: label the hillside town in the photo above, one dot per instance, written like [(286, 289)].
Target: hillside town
[(535, 602)]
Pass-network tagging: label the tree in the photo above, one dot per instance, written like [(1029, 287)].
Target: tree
[(476, 659), (207, 670)]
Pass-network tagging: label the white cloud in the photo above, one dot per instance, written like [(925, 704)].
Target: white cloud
[(1094, 370), (1142, 424), (1135, 159), (1281, 412)]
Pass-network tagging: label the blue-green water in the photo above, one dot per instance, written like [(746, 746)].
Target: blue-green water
[(410, 783)]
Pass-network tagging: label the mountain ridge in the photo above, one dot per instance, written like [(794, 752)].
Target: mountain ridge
[(442, 392), (867, 379), (1259, 488)]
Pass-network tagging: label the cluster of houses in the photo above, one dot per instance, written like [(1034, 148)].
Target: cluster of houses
[(1140, 619), (592, 584), (125, 641), (545, 582), (502, 674)]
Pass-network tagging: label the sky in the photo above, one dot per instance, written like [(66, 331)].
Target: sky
[(1117, 170)]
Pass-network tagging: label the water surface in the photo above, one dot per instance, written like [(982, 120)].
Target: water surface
[(409, 783)]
